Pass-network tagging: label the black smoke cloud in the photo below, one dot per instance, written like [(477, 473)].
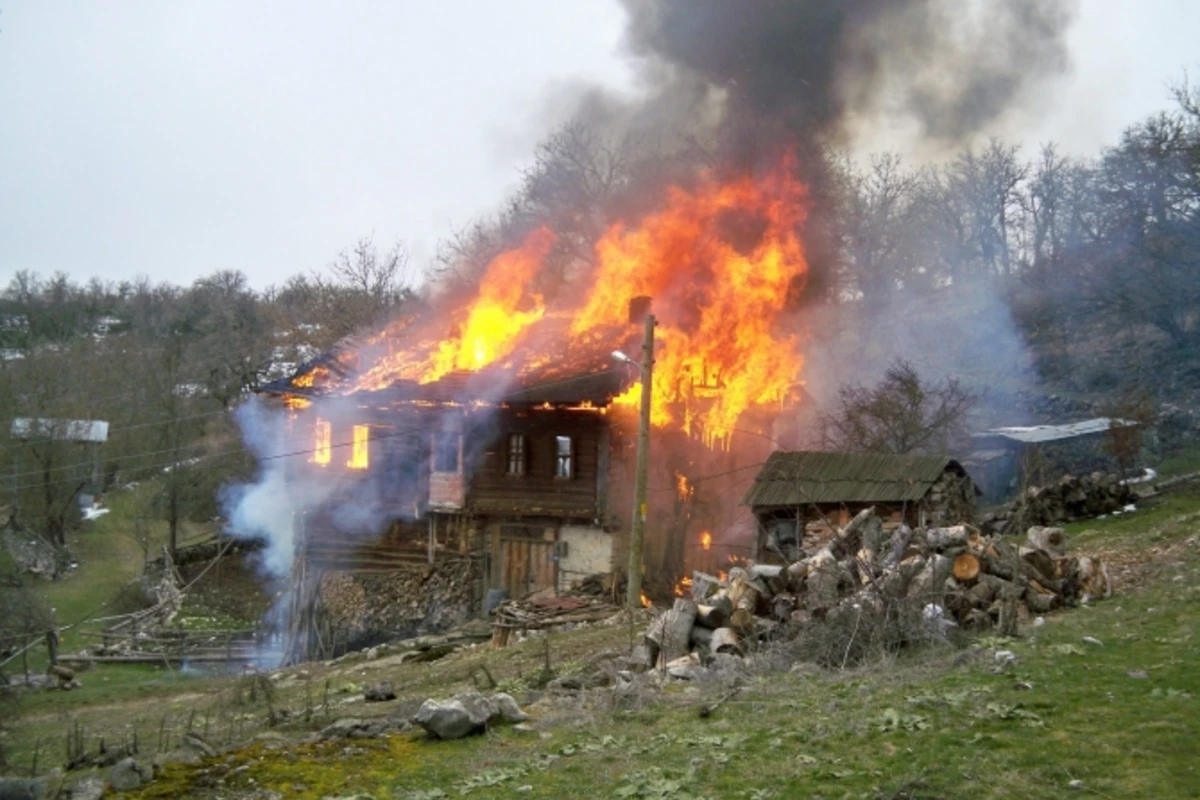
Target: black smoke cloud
[(811, 67)]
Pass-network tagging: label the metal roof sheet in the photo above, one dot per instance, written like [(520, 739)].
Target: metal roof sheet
[(804, 477), (1034, 434), (62, 430)]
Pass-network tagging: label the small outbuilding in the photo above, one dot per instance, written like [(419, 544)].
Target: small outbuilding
[(799, 497), (1004, 459)]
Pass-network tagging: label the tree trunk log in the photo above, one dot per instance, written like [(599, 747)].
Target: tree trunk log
[(966, 568), (849, 539), (941, 538), (670, 633), (822, 582), (930, 584), (899, 544), (1039, 599), (1052, 540), (716, 615), (701, 638), (726, 640), (797, 574), (704, 585)]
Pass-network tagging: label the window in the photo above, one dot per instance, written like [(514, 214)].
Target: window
[(360, 448), (445, 452), (564, 466), (322, 446), (516, 454)]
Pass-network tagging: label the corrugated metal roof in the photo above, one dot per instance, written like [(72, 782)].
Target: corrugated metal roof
[(62, 430), (1035, 434), (800, 478)]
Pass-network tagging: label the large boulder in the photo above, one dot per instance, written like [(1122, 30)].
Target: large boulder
[(452, 719), (90, 788), (125, 776), (19, 789), (467, 714), (509, 710)]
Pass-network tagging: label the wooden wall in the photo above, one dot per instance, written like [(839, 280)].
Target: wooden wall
[(539, 492)]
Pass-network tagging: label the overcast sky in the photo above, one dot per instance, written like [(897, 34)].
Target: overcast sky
[(176, 138)]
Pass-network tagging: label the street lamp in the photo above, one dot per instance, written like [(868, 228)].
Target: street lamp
[(624, 359), (633, 591)]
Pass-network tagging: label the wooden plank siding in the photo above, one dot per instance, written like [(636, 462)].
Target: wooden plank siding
[(401, 456), (539, 491)]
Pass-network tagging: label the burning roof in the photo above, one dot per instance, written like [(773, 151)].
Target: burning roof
[(720, 259)]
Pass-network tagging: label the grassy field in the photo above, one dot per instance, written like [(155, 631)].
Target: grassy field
[(1102, 700)]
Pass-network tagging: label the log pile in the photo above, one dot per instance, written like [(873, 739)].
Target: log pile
[(949, 576), (369, 606), (1070, 498)]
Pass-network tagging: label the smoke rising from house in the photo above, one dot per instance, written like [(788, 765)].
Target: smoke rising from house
[(813, 67), (732, 239)]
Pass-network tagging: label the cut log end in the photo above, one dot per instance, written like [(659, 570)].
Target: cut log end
[(966, 567)]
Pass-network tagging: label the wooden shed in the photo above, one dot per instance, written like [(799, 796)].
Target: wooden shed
[(798, 497)]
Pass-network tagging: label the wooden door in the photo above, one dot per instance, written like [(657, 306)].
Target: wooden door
[(526, 565)]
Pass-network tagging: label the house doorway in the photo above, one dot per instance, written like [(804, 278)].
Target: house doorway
[(527, 565)]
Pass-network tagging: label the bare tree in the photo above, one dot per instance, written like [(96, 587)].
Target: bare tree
[(877, 225), (902, 414)]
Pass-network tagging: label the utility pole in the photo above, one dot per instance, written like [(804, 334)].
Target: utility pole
[(633, 595)]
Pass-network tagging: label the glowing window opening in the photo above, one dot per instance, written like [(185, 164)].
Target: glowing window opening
[(360, 448), (322, 442)]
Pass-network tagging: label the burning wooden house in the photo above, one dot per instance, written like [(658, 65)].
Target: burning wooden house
[(499, 478), (489, 436), (799, 499)]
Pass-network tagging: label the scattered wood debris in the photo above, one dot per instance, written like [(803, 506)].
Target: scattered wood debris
[(540, 613)]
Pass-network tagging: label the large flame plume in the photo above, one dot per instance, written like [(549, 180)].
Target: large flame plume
[(718, 259)]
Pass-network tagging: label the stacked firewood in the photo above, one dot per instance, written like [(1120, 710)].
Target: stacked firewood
[(1070, 498), (953, 576), (399, 602)]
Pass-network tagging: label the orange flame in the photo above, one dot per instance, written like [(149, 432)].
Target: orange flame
[(717, 296), (492, 324), (360, 448), (646, 600), (705, 540), (494, 320), (719, 259), (314, 377), (683, 489), (684, 586)]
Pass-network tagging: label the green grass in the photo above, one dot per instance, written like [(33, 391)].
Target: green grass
[(1122, 717), (1143, 524), (110, 560), (1181, 464), (954, 726)]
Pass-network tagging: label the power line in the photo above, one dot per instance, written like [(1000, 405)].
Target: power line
[(131, 456), (273, 457), (121, 429)]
